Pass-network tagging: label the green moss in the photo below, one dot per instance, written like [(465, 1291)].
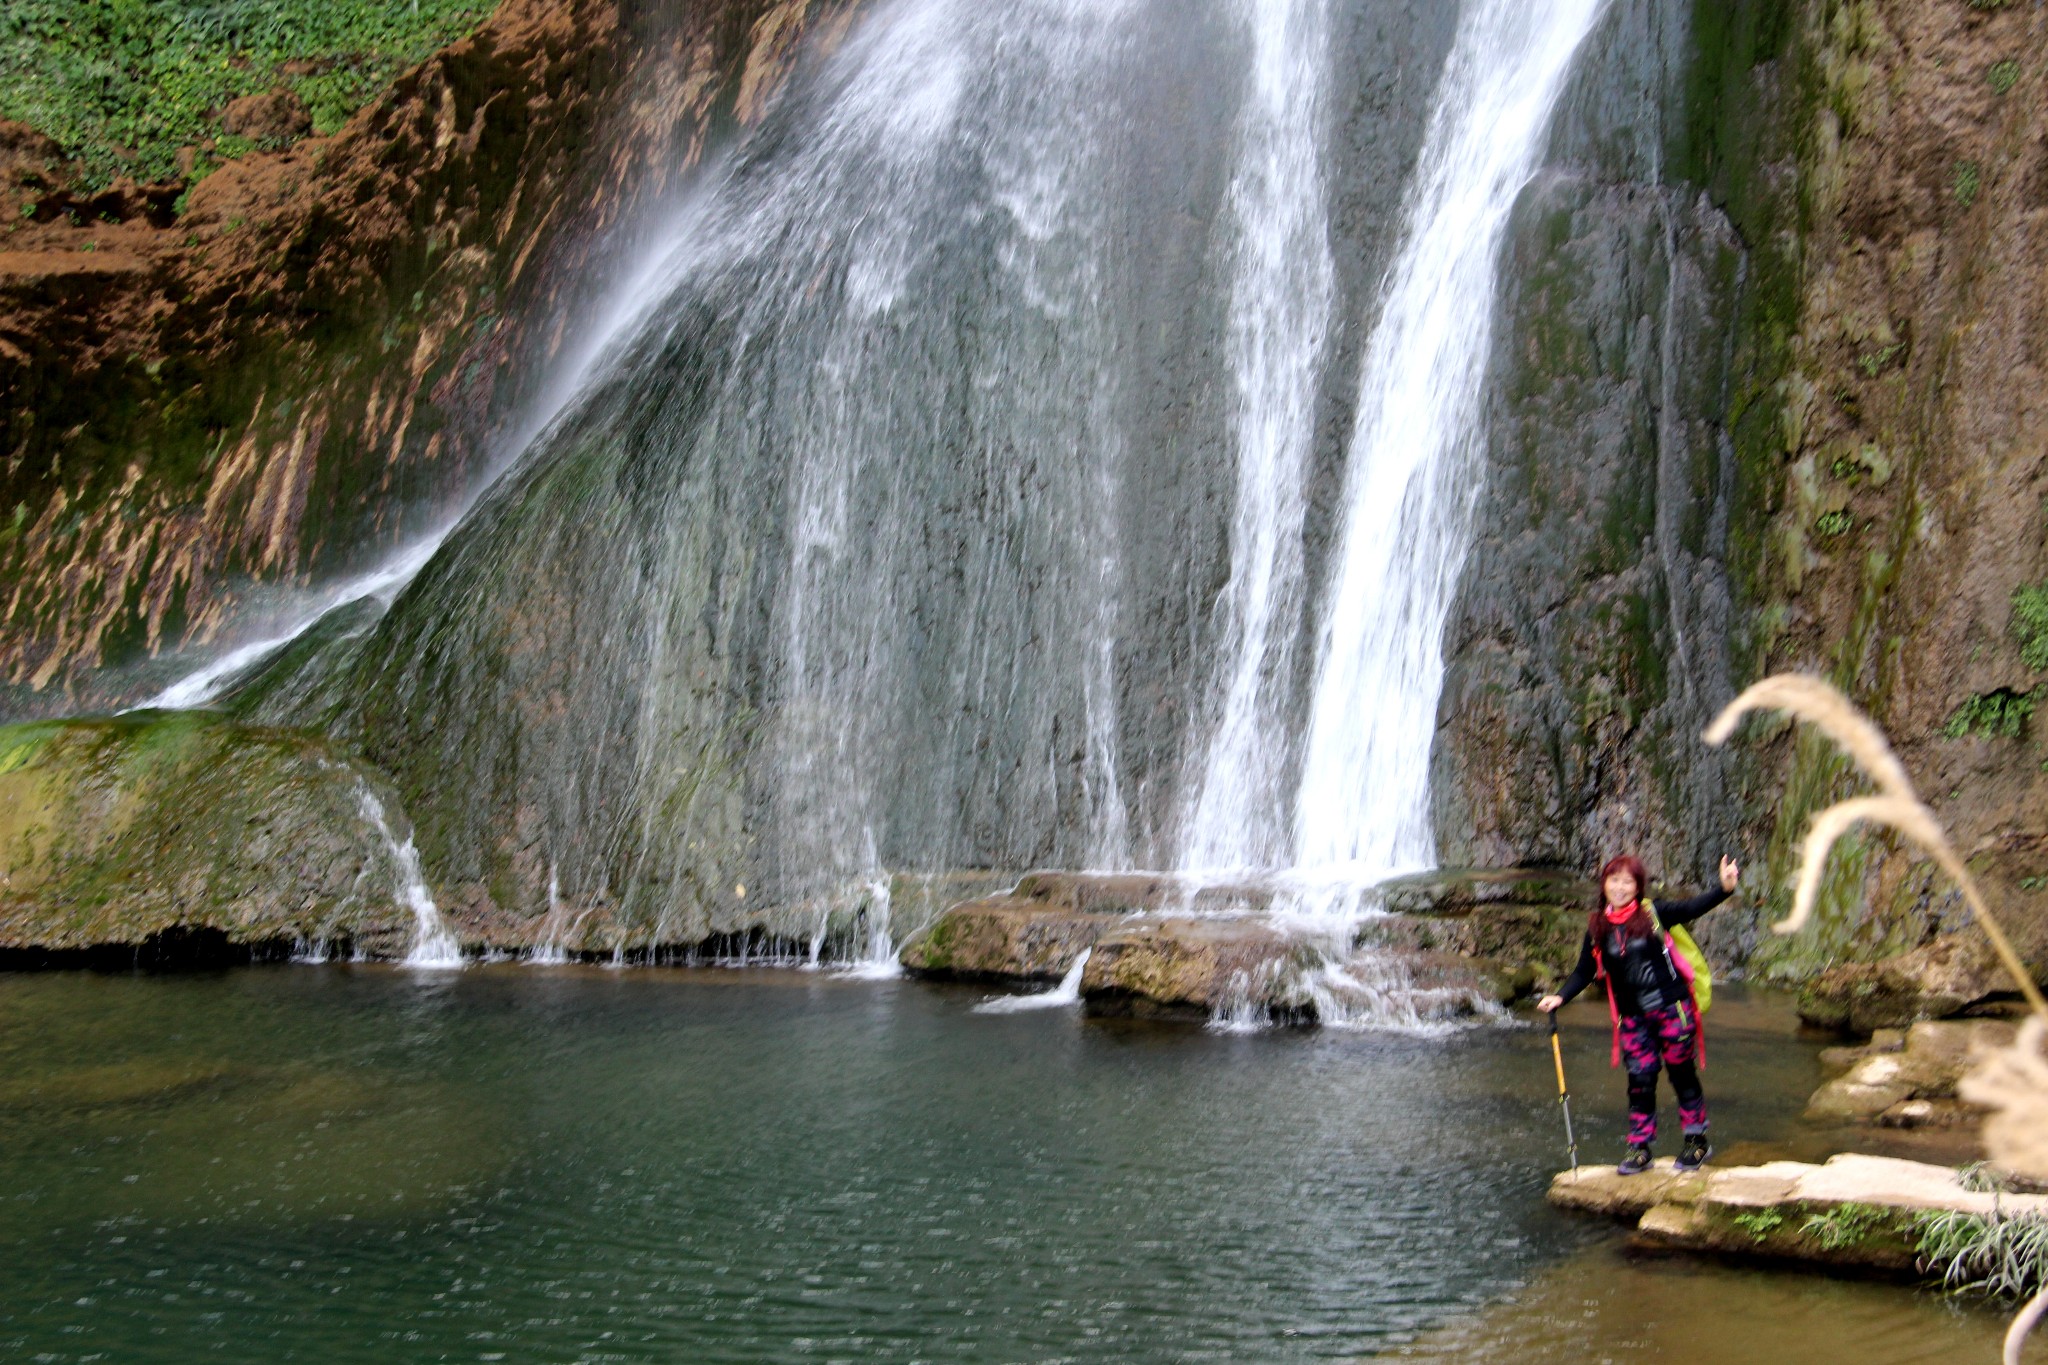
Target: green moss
[(1968, 180), (2003, 76)]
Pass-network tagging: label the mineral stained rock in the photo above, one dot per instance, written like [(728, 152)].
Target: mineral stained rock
[(167, 828)]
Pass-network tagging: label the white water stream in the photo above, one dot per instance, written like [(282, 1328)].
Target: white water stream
[(1279, 314), (1067, 992), (1360, 812), (433, 945), (1416, 461)]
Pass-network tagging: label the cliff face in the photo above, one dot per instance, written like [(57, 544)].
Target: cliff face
[(329, 345), (1772, 400), (1768, 395)]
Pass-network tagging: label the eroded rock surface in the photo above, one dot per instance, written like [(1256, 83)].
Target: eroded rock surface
[(1163, 947), (125, 831), (1939, 978), (1912, 1084), (1854, 1211)]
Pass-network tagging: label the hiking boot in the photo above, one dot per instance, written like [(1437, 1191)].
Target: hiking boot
[(1694, 1154), (1634, 1162)]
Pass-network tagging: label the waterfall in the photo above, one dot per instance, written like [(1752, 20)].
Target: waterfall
[(885, 541), (1279, 312), (1415, 463), (433, 944), (551, 951), (886, 164)]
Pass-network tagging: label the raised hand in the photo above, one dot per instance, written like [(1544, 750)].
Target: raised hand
[(1731, 873)]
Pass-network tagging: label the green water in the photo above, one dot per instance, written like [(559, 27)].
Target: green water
[(343, 1164)]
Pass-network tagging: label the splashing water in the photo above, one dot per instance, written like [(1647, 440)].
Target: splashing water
[(874, 953), (433, 945), (1067, 992), (550, 951)]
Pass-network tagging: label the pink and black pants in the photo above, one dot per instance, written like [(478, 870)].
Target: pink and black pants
[(1663, 1037)]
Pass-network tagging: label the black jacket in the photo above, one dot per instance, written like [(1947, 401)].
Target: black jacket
[(1640, 969)]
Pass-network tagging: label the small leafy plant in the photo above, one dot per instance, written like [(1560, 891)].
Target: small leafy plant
[(1999, 714), (1845, 1225), (2003, 76), (1832, 524), (2030, 624), (1760, 1223), (1873, 361)]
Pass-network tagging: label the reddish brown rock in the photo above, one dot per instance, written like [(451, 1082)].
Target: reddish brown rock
[(272, 119)]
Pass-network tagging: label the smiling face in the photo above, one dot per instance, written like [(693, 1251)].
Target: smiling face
[(1620, 887)]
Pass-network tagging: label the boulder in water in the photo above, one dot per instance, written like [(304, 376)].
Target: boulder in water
[(1854, 1211), (1910, 1084), (1936, 979)]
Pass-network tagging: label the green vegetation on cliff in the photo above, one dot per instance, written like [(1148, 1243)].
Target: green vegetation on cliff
[(126, 86)]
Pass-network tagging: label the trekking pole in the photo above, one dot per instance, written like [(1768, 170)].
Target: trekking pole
[(1564, 1096)]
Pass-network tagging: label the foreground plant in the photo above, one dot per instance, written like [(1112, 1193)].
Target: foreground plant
[(2011, 1082)]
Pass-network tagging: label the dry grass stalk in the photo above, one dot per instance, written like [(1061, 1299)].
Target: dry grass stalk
[(1819, 704), (2012, 1082)]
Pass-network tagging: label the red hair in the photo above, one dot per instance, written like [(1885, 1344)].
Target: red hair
[(1630, 864), (1638, 925)]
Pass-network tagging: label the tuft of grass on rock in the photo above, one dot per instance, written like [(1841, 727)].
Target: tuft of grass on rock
[(1845, 1225), (2000, 1255), (2003, 76), (125, 86)]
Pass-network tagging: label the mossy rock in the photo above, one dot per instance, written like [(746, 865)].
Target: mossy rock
[(1937, 979), (167, 826)]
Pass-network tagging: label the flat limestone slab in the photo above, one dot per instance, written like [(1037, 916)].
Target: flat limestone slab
[(1854, 1211)]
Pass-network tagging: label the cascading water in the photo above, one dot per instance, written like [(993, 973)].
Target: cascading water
[(433, 945), (839, 524), (1279, 311), (1361, 809), (1413, 477), (849, 595), (885, 545), (551, 950)]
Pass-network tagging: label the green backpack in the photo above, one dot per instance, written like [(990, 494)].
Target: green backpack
[(1687, 956)]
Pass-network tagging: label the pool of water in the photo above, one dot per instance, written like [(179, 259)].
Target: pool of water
[(568, 1164)]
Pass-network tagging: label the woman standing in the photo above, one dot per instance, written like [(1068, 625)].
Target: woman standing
[(1650, 996)]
